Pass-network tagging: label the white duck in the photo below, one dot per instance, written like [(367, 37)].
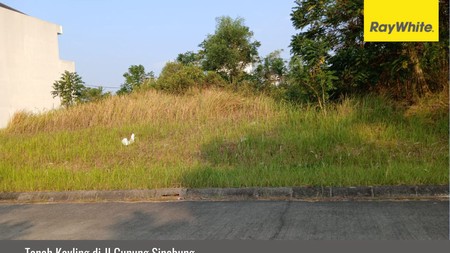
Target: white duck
[(127, 142)]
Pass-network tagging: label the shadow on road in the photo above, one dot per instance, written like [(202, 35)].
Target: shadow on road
[(10, 229)]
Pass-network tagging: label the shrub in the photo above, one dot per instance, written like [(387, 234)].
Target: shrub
[(177, 78), (213, 79)]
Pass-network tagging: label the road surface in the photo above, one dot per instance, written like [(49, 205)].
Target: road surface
[(259, 220)]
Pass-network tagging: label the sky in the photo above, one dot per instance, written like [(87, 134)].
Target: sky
[(105, 37)]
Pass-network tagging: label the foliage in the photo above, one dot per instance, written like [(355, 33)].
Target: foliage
[(94, 94), (436, 60), (135, 78), (178, 78), (189, 58), (230, 49), (69, 88), (404, 70), (271, 71), (213, 79)]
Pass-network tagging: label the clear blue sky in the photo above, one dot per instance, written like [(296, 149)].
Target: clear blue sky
[(105, 37)]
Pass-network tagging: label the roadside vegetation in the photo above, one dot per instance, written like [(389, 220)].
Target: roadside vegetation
[(218, 138), (340, 112)]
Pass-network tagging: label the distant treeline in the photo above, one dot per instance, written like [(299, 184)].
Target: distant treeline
[(329, 60)]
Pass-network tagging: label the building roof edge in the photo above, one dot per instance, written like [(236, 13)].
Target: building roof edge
[(10, 8)]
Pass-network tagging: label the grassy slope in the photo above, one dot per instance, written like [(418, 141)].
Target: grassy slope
[(221, 139)]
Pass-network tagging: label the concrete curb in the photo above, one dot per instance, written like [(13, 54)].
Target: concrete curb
[(119, 195), (375, 192), (286, 193)]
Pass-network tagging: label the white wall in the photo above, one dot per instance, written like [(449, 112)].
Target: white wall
[(29, 64)]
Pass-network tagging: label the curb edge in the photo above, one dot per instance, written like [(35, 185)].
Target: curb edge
[(255, 193)]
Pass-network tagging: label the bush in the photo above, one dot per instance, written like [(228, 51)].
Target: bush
[(178, 78), (213, 79)]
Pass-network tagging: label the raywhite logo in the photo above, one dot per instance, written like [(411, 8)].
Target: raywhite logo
[(401, 27)]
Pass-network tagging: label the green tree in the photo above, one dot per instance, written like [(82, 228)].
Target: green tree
[(69, 88), (94, 94), (271, 71), (230, 49), (134, 78), (311, 49), (313, 77), (189, 58)]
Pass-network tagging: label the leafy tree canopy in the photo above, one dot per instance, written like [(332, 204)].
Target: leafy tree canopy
[(134, 78), (230, 49), (69, 88), (271, 71), (189, 58), (94, 94)]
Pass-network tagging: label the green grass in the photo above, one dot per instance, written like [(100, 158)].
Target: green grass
[(221, 139)]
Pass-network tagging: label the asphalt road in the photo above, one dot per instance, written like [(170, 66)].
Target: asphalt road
[(261, 220)]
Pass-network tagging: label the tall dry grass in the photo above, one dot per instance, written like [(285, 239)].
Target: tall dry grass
[(147, 107)]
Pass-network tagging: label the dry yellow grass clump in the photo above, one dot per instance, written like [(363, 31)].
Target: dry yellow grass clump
[(146, 107), (431, 107)]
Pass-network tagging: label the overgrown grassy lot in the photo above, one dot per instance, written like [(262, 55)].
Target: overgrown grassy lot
[(222, 139)]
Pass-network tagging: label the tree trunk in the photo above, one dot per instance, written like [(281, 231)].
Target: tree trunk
[(420, 86)]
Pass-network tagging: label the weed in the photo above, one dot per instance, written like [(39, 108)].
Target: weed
[(215, 138)]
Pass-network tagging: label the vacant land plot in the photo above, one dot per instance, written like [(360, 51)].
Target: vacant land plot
[(222, 139)]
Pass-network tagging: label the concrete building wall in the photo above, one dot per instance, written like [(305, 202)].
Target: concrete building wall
[(29, 64)]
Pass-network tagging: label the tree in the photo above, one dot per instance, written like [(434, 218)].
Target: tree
[(313, 76), (134, 78), (94, 94), (230, 49), (311, 49), (69, 88), (189, 58), (271, 71)]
